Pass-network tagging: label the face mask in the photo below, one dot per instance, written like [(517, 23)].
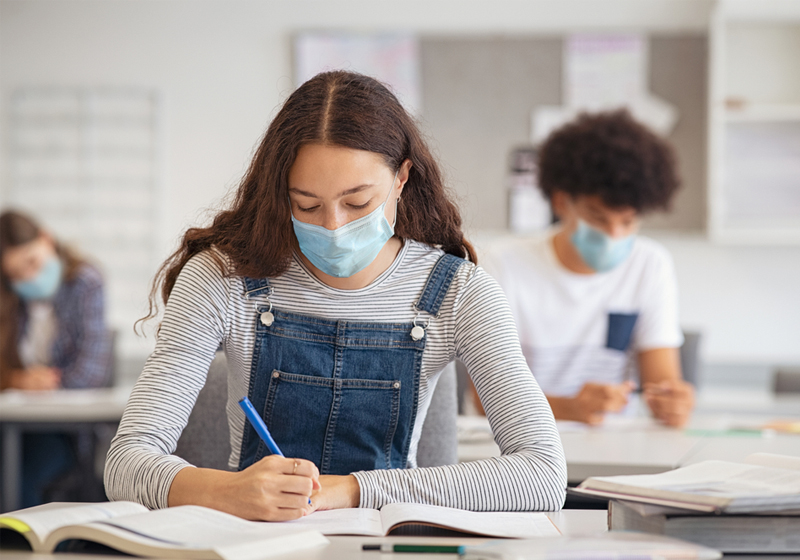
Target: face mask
[(350, 248), (42, 286), (599, 250)]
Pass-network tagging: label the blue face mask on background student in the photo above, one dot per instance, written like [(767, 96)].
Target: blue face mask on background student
[(599, 250), (348, 249), (44, 285)]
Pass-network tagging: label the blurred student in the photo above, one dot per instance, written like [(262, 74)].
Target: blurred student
[(52, 333), (593, 300)]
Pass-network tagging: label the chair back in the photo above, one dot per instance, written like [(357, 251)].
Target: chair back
[(786, 380), (690, 357), (438, 443), (205, 441)]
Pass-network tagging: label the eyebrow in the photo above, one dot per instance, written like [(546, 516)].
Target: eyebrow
[(354, 190)]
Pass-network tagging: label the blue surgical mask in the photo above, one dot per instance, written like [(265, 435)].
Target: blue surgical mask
[(44, 285), (599, 250), (348, 249)]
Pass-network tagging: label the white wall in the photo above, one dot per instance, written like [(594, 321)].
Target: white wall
[(225, 66)]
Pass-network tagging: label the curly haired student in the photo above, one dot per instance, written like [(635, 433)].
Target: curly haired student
[(593, 300), (339, 285)]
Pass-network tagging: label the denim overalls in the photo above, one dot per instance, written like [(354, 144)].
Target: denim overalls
[(342, 394)]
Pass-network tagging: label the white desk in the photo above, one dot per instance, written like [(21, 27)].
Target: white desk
[(620, 446), (37, 411), (639, 445)]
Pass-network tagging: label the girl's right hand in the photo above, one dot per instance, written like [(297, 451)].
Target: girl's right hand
[(273, 489)]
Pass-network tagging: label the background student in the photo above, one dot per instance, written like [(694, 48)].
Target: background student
[(594, 301), (338, 287), (52, 334)]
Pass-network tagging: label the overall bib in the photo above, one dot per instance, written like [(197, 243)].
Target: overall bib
[(341, 394)]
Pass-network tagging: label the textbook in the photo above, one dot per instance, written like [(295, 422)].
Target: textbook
[(190, 532), (764, 483), (755, 534), (378, 523), (607, 546)]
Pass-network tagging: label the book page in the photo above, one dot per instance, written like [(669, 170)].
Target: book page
[(774, 460), (354, 521), (42, 520), (199, 527), (494, 524)]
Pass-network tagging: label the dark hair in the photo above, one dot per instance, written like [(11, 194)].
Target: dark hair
[(613, 156), (335, 108), (18, 229)]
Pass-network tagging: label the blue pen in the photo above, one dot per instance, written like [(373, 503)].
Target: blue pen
[(261, 428)]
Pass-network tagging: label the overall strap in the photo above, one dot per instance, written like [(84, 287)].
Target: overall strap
[(438, 283), (256, 286)]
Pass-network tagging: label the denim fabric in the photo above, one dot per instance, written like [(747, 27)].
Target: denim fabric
[(81, 349), (620, 329), (342, 394)]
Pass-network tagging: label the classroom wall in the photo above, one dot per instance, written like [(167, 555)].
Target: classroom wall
[(224, 67), (478, 94)]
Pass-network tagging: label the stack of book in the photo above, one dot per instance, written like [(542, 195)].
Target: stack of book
[(750, 507)]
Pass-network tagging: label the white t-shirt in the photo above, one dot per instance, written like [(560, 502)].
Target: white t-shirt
[(575, 328), (35, 346)]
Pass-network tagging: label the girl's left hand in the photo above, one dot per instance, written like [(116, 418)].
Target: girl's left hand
[(336, 492)]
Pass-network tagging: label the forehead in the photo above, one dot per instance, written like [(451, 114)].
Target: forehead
[(595, 204), (334, 165), (17, 256)]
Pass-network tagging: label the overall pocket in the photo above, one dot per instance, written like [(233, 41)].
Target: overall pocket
[(341, 425)]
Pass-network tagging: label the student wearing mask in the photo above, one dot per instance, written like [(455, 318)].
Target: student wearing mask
[(593, 301), (339, 285), (52, 333)]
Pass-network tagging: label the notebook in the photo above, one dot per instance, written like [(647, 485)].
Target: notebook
[(764, 483)]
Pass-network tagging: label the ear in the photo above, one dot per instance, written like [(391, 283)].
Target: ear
[(560, 203), (403, 174)]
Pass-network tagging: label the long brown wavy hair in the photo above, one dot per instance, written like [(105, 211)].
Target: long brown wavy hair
[(334, 108), (18, 229)]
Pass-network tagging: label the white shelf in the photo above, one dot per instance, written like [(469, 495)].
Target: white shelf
[(763, 112), (754, 149)]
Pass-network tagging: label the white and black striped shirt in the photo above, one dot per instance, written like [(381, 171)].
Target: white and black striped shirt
[(207, 308)]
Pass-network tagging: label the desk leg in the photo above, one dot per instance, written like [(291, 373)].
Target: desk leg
[(12, 467)]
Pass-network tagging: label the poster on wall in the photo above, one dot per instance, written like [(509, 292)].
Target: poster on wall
[(391, 58), (604, 72)]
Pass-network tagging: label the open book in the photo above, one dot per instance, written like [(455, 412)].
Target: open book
[(764, 483), (372, 522), (190, 532), (195, 532)]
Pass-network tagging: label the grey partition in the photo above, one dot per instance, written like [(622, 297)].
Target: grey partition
[(478, 93)]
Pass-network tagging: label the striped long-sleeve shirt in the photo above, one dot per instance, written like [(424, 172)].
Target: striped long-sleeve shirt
[(208, 307)]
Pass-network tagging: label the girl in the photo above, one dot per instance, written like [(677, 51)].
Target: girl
[(52, 335), (337, 286), (52, 329)]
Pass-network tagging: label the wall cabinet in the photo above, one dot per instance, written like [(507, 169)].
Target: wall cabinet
[(754, 122)]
